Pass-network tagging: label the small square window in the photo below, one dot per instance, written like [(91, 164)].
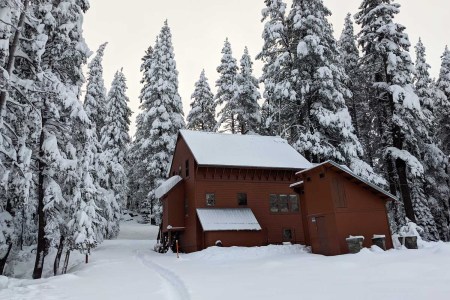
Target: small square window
[(322, 175), (287, 235), (210, 199), (293, 203), (242, 198)]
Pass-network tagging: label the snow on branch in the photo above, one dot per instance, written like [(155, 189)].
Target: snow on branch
[(413, 163)]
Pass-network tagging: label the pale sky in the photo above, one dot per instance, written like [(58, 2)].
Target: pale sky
[(199, 28)]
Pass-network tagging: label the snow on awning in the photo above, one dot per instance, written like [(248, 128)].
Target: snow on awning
[(167, 186), (221, 219), (297, 184), (236, 150)]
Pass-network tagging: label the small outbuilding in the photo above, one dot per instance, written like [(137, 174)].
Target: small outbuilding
[(336, 204)]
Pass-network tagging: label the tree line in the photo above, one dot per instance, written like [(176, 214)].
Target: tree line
[(62, 175)]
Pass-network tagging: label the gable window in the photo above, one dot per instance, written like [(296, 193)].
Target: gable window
[(210, 199), (187, 168), (242, 198), (284, 203)]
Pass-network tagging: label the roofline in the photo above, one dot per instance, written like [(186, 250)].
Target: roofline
[(180, 134), (353, 175), (252, 167)]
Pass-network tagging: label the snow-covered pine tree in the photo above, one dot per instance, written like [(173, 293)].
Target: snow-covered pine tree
[(115, 141), (15, 154), (349, 57), (60, 107), (395, 106), (248, 111), (434, 161), (321, 127), (203, 108), (276, 57), (95, 98), (161, 117), (85, 225), (443, 111), (226, 90), (136, 170)]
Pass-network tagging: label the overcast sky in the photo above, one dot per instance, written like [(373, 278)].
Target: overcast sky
[(199, 28)]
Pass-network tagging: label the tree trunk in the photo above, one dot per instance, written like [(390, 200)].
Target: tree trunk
[(87, 258), (404, 189), (58, 256), (233, 129), (41, 240), (4, 259), (66, 262)]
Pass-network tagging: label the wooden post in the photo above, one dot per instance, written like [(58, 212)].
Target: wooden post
[(178, 256)]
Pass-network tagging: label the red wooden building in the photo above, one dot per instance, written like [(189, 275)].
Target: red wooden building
[(237, 189), (336, 204)]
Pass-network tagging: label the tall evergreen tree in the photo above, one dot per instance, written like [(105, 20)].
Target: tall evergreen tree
[(226, 89), (358, 83), (203, 108), (349, 57), (246, 97), (61, 61), (161, 117), (95, 98), (115, 141), (321, 124), (435, 162), (443, 84), (395, 106), (277, 59), (137, 187)]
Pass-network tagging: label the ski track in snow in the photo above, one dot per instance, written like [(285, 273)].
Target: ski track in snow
[(178, 286)]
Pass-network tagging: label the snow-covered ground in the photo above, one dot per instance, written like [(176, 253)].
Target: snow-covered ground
[(127, 268)]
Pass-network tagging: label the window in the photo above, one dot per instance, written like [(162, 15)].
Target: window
[(274, 203), (322, 175), (293, 203), (242, 198), (284, 203), (210, 199), (187, 168), (287, 235)]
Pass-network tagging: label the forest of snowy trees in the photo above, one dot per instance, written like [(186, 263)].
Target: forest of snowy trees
[(68, 166)]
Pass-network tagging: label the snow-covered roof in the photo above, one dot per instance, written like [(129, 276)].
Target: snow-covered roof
[(235, 150), (221, 219), (346, 170), (167, 185)]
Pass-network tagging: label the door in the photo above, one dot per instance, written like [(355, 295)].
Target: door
[(322, 236)]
